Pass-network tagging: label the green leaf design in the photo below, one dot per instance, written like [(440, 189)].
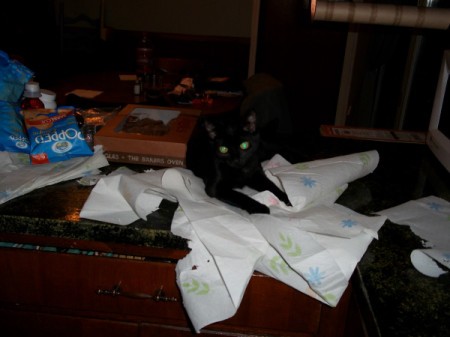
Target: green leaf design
[(274, 263), (340, 190), (204, 290), (199, 288), (287, 242), (330, 298), (365, 158), (284, 267), (288, 245), (195, 286), (302, 166), (296, 252), (277, 264)]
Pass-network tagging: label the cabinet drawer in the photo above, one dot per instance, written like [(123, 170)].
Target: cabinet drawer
[(271, 307), (71, 282)]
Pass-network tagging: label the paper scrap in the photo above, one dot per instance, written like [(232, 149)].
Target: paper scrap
[(18, 179), (428, 218), (425, 261)]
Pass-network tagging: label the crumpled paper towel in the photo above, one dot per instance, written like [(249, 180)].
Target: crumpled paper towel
[(313, 246), (18, 178), (428, 218), (125, 197)]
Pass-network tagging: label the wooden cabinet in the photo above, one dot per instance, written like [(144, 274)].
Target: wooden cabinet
[(45, 293)]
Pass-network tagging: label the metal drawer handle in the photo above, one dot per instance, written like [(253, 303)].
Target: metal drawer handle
[(158, 296)]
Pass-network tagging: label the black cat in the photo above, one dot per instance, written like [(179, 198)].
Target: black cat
[(226, 154)]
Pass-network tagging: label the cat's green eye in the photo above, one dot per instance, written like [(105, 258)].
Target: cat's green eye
[(223, 149), (244, 145)]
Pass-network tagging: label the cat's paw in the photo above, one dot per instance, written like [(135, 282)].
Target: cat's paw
[(258, 208), (284, 198), (288, 203)]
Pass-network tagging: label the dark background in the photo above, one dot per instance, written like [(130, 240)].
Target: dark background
[(306, 57)]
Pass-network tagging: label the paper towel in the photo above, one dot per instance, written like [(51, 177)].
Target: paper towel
[(313, 246), (425, 261), (428, 218), (17, 179), (314, 182)]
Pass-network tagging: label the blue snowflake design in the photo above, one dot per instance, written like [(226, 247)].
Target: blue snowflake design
[(5, 194), (446, 257), (315, 276), (308, 182), (348, 223), (434, 206)]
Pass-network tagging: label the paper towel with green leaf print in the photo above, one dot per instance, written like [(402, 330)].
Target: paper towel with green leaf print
[(313, 246), (317, 182), (325, 260)]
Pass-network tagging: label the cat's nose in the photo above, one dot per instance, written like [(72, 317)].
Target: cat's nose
[(236, 162), (240, 162)]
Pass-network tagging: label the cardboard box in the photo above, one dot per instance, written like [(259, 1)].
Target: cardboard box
[(149, 135)]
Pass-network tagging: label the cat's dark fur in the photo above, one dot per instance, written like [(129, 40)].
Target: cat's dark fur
[(226, 154)]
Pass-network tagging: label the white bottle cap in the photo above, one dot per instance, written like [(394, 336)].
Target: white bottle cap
[(47, 95), (32, 89)]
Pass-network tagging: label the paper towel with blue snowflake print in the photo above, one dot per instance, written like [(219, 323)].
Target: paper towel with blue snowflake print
[(313, 246)]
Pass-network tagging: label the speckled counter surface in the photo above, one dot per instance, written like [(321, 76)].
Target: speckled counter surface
[(395, 298), (399, 301), (54, 211), (404, 301)]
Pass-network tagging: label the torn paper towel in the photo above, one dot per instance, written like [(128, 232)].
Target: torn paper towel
[(17, 178), (325, 261), (428, 218), (313, 246), (313, 182), (426, 261), (126, 197)]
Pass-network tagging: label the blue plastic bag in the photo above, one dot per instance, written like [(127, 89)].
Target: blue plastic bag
[(13, 76), (13, 136)]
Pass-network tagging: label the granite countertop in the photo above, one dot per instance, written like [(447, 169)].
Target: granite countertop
[(404, 301), (400, 300), (54, 211)]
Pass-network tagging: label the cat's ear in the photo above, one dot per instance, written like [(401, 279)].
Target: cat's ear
[(210, 129), (250, 122)]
